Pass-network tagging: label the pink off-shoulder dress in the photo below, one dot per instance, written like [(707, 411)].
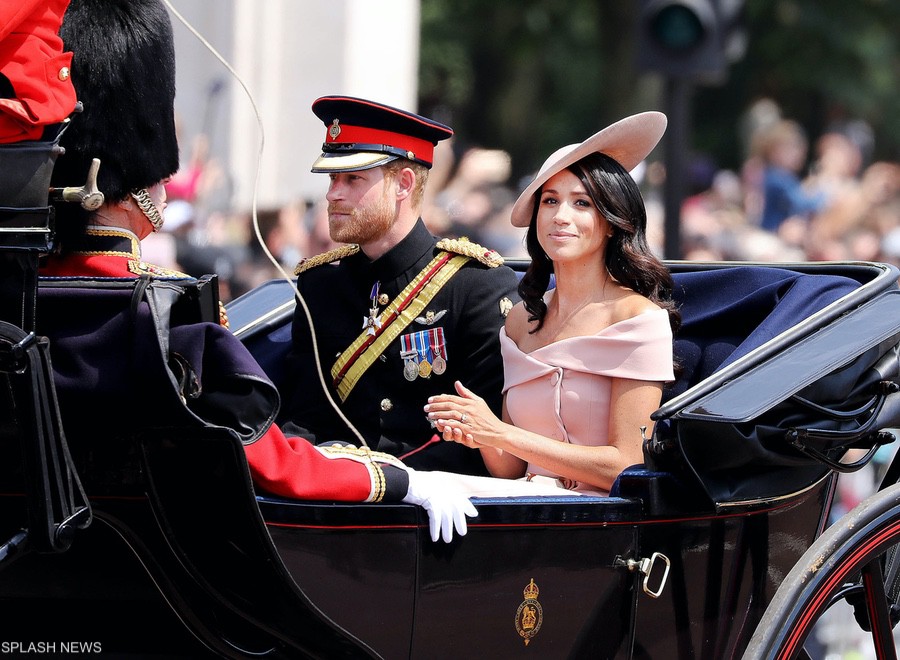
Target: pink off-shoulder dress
[(562, 390)]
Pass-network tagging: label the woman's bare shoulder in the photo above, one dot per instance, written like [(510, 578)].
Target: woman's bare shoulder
[(631, 305)]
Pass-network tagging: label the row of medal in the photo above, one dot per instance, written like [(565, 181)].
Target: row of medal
[(423, 353)]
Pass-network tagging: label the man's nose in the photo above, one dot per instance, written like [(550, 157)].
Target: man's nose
[(334, 191)]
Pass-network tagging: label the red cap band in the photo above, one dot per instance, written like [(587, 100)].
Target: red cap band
[(419, 149)]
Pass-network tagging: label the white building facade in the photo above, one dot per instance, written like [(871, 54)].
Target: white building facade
[(287, 53)]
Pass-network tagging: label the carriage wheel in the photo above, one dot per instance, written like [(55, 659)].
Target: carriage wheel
[(852, 561)]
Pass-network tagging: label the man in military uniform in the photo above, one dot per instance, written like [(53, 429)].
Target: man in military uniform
[(124, 72), (402, 315)]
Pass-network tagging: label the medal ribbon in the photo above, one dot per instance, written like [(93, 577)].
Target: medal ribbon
[(437, 342), (422, 347), (362, 353)]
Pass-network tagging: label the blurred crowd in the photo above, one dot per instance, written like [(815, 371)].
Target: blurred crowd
[(794, 198)]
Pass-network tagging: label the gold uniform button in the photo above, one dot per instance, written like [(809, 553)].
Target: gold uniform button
[(63, 74), (386, 404)]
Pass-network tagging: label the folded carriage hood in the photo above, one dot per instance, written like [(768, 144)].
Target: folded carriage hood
[(747, 392)]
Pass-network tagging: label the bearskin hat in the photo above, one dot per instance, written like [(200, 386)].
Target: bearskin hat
[(123, 70)]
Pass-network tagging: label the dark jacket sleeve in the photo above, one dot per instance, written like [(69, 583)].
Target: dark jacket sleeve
[(304, 403), (480, 326)]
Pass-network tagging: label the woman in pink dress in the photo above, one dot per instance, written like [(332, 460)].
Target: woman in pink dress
[(585, 362)]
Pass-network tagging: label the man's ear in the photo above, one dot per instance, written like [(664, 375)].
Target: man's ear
[(406, 183)]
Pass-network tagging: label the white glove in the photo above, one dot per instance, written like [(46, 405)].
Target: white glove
[(447, 507)]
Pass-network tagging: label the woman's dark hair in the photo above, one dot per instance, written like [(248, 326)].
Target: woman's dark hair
[(628, 257)]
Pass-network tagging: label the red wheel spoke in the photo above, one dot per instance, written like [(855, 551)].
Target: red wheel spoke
[(879, 613)]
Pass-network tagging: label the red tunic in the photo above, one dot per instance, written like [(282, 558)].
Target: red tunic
[(32, 58), (286, 466)]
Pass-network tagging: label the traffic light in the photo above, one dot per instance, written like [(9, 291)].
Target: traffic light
[(694, 39)]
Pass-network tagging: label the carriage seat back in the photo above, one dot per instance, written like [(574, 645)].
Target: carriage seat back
[(132, 354), (157, 397), (729, 312)]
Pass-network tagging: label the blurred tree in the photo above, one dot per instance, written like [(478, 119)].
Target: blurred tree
[(822, 61), (528, 76)]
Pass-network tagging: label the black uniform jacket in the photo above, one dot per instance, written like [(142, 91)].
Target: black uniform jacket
[(385, 406)]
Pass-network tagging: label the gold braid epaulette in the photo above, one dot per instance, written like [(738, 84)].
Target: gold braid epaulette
[(326, 258), (465, 247)]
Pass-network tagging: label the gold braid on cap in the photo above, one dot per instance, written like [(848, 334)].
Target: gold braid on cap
[(326, 258), (148, 208), (490, 258)]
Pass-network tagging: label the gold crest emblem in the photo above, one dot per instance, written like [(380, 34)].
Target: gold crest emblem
[(505, 305), (335, 129), (530, 615)]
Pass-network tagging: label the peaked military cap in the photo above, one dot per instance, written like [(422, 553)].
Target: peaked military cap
[(363, 134)]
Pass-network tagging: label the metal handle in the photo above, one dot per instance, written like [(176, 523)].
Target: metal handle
[(645, 566), (88, 196)]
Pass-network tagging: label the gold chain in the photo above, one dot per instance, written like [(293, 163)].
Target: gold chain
[(148, 208)]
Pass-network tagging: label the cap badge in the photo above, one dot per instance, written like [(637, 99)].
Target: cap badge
[(335, 129)]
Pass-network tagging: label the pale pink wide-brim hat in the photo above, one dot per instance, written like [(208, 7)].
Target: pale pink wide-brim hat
[(628, 141)]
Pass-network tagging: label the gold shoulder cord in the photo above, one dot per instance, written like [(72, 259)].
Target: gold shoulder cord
[(490, 258), (326, 258)]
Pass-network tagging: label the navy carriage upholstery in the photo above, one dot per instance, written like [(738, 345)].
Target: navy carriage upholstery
[(270, 350), (727, 313)]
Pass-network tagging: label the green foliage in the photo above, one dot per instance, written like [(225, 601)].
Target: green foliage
[(528, 76)]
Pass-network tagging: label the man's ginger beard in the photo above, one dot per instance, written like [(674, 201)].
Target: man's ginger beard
[(366, 224)]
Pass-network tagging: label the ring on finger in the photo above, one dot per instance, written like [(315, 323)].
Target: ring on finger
[(464, 418)]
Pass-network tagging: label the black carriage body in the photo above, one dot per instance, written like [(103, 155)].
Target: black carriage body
[(180, 542), (407, 597), (375, 573)]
